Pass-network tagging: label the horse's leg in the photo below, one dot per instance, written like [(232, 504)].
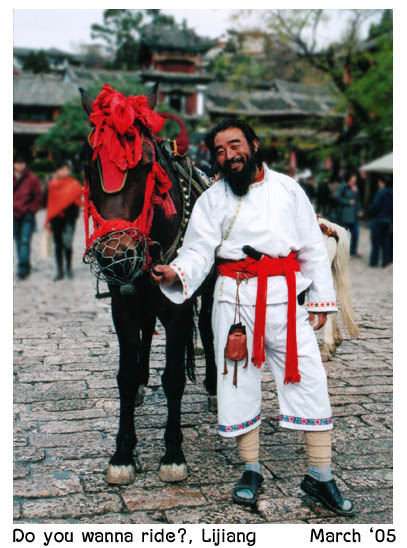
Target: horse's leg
[(173, 464), (328, 342), (205, 329), (123, 465), (147, 331), (336, 332)]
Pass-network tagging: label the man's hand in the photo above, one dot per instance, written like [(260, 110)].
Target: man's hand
[(321, 319), (164, 275)]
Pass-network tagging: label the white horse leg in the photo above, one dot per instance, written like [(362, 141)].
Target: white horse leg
[(328, 342), (335, 331)]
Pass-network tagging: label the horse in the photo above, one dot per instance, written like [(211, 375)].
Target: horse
[(139, 193), (337, 240)]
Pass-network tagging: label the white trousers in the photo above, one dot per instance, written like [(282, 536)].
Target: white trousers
[(303, 406)]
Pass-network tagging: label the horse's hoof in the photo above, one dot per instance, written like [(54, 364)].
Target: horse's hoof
[(212, 404), (138, 400), (325, 356), (173, 472), (120, 474)]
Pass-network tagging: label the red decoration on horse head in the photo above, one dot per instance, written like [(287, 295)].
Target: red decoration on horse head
[(117, 145), (116, 139)]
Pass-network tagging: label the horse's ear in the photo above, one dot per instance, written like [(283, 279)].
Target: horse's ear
[(87, 101), (152, 96)]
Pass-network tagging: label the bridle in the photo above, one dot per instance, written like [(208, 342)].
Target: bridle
[(122, 268)]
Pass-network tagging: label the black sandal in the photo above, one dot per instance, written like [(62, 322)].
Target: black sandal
[(252, 481)]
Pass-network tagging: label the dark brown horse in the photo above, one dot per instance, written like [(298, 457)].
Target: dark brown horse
[(140, 220)]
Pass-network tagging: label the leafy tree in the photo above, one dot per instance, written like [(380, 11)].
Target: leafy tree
[(121, 31), (37, 62), (359, 70)]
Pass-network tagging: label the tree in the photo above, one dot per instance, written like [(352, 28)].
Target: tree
[(121, 31), (37, 62), (350, 64)]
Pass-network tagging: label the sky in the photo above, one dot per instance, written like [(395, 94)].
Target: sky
[(66, 29)]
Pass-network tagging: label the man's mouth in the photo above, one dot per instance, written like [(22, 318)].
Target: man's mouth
[(236, 164)]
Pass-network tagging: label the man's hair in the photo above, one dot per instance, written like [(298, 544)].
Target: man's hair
[(228, 123), (19, 159), (63, 163)]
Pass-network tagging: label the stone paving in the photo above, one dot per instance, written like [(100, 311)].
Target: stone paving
[(66, 416)]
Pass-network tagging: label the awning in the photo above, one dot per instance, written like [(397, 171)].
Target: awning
[(381, 165)]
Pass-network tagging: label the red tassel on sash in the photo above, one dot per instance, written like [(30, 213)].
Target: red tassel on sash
[(265, 267)]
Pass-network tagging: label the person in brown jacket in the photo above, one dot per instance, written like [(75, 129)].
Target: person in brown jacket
[(27, 200)]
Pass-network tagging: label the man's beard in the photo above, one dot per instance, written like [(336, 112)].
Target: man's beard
[(239, 181)]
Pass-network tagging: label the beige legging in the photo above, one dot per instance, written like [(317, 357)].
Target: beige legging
[(318, 445), (248, 445)]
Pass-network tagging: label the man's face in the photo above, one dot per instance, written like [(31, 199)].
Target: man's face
[(19, 167), (236, 159), (63, 172)]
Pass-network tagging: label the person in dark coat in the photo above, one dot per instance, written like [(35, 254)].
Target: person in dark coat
[(324, 198), (308, 187), (349, 209), (381, 210), (27, 200)]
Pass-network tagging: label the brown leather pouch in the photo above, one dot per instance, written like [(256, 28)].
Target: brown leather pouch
[(236, 344), (236, 348)]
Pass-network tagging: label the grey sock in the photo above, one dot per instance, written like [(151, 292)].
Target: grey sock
[(254, 467), (246, 493), (320, 473)]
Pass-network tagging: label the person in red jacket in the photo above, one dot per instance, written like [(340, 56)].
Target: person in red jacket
[(64, 196), (27, 200)]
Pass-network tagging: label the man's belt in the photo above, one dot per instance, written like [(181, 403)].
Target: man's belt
[(263, 268)]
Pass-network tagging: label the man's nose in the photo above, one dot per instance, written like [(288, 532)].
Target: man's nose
[(230, 154)]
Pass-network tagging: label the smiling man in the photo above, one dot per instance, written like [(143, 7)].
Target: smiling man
[(261, 231)]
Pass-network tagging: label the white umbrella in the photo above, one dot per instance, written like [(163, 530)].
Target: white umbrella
[(381, 165)]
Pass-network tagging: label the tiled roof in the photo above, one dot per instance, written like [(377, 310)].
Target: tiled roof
[(31, 128), (188, 78), (42, 90), (280, 99), (83, 76), (168, 37)]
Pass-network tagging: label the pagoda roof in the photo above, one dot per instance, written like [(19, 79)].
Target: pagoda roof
[(167, 37), (280, 98)]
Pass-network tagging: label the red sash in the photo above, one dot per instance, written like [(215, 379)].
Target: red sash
[(267, 266)]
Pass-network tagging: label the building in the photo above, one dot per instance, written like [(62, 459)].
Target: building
[(173, 57)]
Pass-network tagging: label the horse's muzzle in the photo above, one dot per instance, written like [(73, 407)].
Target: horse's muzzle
[(118, 258)]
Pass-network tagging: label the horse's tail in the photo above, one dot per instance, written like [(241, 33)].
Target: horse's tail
[(341, 275)]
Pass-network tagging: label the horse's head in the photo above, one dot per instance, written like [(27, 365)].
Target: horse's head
[(123, 182)]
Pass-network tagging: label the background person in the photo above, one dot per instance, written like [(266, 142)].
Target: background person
[(27, 200), (381, 210), (349, 209), (64, 197)]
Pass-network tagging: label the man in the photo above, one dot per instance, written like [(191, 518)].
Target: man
[(63, 201), (381, 210), (348, 199), (27, 200), (252, 205)]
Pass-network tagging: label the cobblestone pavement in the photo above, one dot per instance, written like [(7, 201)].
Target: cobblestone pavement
[(66, 415)]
